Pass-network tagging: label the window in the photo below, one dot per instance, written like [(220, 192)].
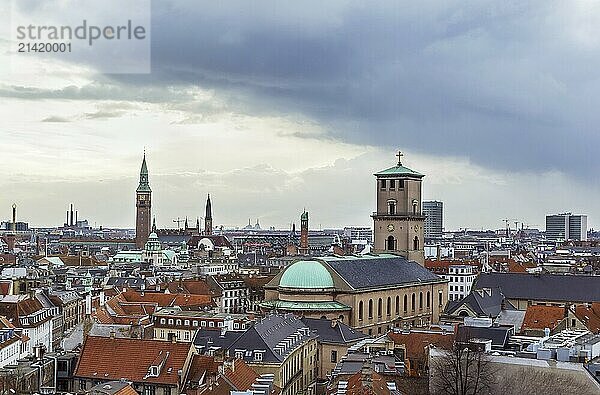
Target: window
[(333, 356), (428, 299), (258, 356), (391, 243), (195, 323), (405, 303), (397, 304), (186, 322), (186, 336), (167, 391), (440, 298), (379, 307), (383, 184), (370, 308), (162, 320), (416, 243), (420, 300), (360, 310), (400, 184), (388, 307), (392, 207), (392, 185), (412, 300)]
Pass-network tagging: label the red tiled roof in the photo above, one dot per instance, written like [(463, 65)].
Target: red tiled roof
[(105, 358), (415, 342), (193, 287), (167, 300), (240, 375), (590, 316), (540, 317), (378, 385), (201, 364)]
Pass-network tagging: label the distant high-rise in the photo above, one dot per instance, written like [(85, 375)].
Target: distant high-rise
[(208, 226), (566, 226), (143, 206), (304, 249), (434, 220)]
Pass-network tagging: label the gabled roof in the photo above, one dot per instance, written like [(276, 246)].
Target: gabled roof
[(540, 317), (497, 334), (547, 287), (590, 316), (416, 341), (105, 358), (333, 332), (483, 302), (382, 270), (240, 375)]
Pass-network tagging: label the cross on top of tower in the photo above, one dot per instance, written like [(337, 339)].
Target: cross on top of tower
[(399, 155)]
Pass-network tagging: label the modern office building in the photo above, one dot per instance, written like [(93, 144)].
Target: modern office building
[(434, 220), (566, 226)]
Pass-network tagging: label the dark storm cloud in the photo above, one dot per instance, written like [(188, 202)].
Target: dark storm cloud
[(508, 84)]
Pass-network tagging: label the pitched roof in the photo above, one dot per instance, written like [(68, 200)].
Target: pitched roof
[(416, 341), (336, 332), (165, 300), (540, 317), (105, 358), (483, 302), (399, 170), (113, 388), (550, 287), (375, 271), (240, 375), (590, 316), (377, 385), (497, 334)]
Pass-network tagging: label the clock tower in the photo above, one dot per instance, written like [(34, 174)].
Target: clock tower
[(398, 222), (143, 204)]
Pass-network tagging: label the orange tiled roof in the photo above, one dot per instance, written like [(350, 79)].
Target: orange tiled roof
[(167, 300), (105, 358), (540, 317), (201, 364), (241, 376), (590, 316), (378, 385), (415, 342)]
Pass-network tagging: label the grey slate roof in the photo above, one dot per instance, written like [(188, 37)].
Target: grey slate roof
[(384, 270), (340, 333), (497, 334), (551, 287), (484, 303)]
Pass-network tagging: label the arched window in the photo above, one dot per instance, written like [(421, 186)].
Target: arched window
[(370, 308), (391, 243), (428, 299), (397, 304), (405, 303), (391, 207), (379, 307), (388, 306), (360, 310), (416, 243), (412, 300), (421, 300)]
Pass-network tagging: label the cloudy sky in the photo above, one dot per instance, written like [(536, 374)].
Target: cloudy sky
[(276, 106)]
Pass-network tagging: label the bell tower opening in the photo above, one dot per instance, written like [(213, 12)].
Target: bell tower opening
[(391, 243)]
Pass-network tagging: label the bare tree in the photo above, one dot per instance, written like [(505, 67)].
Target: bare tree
[(461, 371)]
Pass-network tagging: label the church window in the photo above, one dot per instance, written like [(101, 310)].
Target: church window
[(379, 307), (392, 207), (388, 307), (400, 184), (416, 243), (421, 300), (383, 184), (370, 308), (412, 300), (397, 304), (391, 243), (405, 303), (392, 185), (360, 310), (440, 298)]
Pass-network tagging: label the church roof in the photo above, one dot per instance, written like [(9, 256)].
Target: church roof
[(399, 170), (144, 186), (306, 275)]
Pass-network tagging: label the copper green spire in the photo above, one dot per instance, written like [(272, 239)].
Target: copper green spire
[(144, 186)]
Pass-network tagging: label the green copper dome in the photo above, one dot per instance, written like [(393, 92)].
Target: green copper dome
[(306, 275)]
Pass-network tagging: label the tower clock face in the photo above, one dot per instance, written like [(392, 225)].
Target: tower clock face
[(390, 227)]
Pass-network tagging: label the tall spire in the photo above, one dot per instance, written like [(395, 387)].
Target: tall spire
[(208, 217), (144, 185), (208, 214)]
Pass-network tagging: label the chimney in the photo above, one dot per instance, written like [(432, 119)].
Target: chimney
[(71, 214), (14, 217), (76, 217)]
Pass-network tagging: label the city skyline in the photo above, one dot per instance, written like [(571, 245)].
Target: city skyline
[(267, 138)]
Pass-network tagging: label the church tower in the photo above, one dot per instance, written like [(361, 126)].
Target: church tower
[(208, 227), (398, 222), (143, 206)]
